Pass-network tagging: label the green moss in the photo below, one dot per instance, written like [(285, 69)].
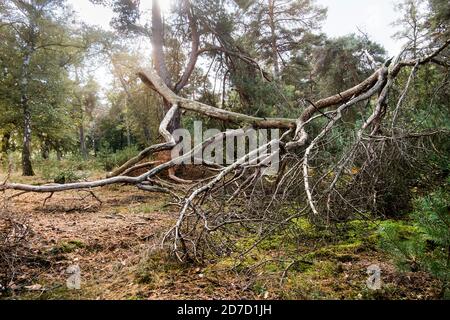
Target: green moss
[(342, 252), (58, 292), (363, 230), (158, 269), (68, 247), (324, 269), (259, 287), (239, 264), (304, 224)]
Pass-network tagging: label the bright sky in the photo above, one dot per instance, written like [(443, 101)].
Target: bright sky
[(374, 17), (344, 16), (101, 16)]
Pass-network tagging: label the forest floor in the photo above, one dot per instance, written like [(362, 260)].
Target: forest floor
[(116, 245)]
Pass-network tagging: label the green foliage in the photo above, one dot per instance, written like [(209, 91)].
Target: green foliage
[(439, 16), (70, 169), (424, 244), (280, 27), (41, 44), (67, 176), (67, 247), (110, 159), (342, 62), (157, 269), (404, 242)]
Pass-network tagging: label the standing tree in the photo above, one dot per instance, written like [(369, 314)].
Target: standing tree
[(38, 31), (127, 21), (84, 102), (281, 27), (237, 197)]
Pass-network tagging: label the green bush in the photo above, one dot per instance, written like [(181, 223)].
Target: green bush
[(110, 160), (70, 169), (425, 243), (68, 176)]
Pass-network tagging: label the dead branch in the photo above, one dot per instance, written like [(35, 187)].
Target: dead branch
[(211, 203)]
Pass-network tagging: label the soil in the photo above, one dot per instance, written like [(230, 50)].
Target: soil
[(110, 242)]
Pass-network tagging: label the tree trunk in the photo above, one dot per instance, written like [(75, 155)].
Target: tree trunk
[(276, 66), (127, 122), (27, 168), (45, 150), (5, 143), (147, 135), (94, 146), (59, 155), (83, 149), (128, 136), (159, 59)]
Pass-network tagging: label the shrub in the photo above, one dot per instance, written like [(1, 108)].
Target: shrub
[(110, 160), (426, 243), (68, 176), (70, 169)]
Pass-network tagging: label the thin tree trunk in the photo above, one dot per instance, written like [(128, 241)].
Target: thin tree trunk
[(6, 143), (45, 150), (159, 59), (127, 122), (128, 136), (83, 148), (27, 168), (276, 66), (59, 155), (147, 135), (94, 146)]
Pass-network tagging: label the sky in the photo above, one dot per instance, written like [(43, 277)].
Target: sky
[(373, 17)]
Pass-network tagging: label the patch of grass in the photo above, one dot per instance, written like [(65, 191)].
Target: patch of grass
[(69, 176), (70, 169), (57, 291), (343, 252), (317, 273), (67, 247), (110, 160), (363, 230), (158, 269), (151, 207)]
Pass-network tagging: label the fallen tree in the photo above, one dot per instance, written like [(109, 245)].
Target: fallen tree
[(210, 204)]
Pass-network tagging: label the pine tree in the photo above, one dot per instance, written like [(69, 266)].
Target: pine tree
[(426, 244)]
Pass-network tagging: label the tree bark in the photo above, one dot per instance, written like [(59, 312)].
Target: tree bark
[(159, 56), (45, 149), (6, 143), (59, 155), (195, 45), (276, 66), (158, 44), (83, 148), (151, 79), (27, 168)]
